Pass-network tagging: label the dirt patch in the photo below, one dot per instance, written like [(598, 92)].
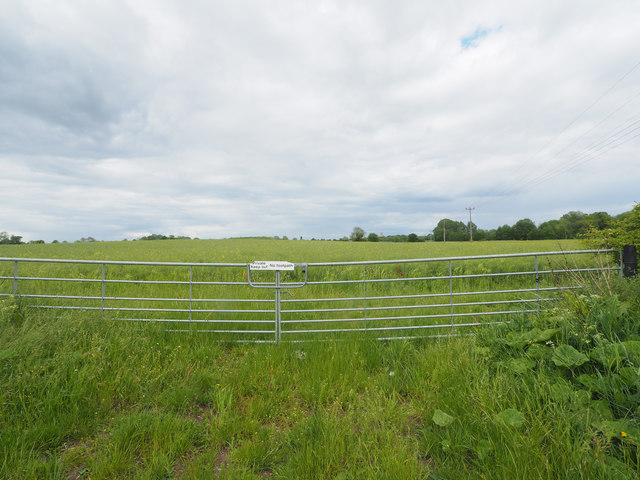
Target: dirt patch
[(221, 459)]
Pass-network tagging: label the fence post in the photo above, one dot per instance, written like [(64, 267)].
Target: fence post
[(15, 277), (629, 261)]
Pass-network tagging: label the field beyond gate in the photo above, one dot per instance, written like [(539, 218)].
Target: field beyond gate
[(385, 299)]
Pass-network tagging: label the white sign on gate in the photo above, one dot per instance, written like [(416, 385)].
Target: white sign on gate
[(271, 265)]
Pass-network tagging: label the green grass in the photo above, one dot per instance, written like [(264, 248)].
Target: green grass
[(85, 397), (247, 250)]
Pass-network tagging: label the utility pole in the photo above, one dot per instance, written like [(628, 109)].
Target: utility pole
[(470, 224)]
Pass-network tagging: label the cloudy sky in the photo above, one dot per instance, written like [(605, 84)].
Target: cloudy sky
[(121, 118)]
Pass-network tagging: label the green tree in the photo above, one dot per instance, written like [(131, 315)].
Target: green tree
[(504, 232), (413, 237), (575, 223), (5, 238), (524, 229), (357, 235), (625, 230), (599, 220), (552, 230), (455, 231), (373, 237)]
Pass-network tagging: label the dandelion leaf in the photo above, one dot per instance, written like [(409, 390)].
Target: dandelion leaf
[(484, 448), (441, 418), (560, 392), (511, 417), (521, 365)]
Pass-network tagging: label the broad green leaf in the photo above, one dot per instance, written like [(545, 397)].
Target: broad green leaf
[(600, 410), (610, 355), (484, 448), (614, 469), (442, 419), (560, 392), (521, 365), (547, 335), (511, 417), (522, 339), (539, 352), (593, 383), (567, 356), (633, 350)]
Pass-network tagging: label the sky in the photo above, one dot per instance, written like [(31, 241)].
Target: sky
[(122, 118)]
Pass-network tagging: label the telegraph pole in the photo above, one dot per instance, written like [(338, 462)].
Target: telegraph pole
[(470, 224)]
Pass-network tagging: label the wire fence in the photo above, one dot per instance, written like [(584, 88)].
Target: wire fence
[(276, 301)]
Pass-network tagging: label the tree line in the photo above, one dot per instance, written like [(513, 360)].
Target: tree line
[(574, 224)]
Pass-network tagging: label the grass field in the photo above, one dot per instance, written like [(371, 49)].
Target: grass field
[(249, 250), (401, 298), (87, 398)]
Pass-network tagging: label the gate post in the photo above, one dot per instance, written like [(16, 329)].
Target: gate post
[(629, 261), (277, 286)]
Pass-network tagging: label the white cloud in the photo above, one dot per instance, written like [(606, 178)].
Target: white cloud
[(121, 118)]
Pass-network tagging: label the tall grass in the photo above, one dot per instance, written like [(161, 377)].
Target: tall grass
[(85, 397), (182, 300)]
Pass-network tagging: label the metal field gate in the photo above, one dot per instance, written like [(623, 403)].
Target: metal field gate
[(273, 301)]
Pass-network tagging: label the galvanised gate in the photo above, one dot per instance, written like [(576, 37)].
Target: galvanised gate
[(273, 301)]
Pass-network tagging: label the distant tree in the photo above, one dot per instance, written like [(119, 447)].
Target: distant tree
[(552, 230), (575, 223), (157, 236), (7, 239), (455, 231), (394, 238), (599, 220), (373, 237), (479, 235), (413, 237), (36, 241), (505, 232), (524, 229), (357, 235)]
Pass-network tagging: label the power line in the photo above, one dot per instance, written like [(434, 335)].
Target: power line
[(526, 181)]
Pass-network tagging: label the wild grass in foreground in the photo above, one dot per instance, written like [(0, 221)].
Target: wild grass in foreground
[(554, 396)]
